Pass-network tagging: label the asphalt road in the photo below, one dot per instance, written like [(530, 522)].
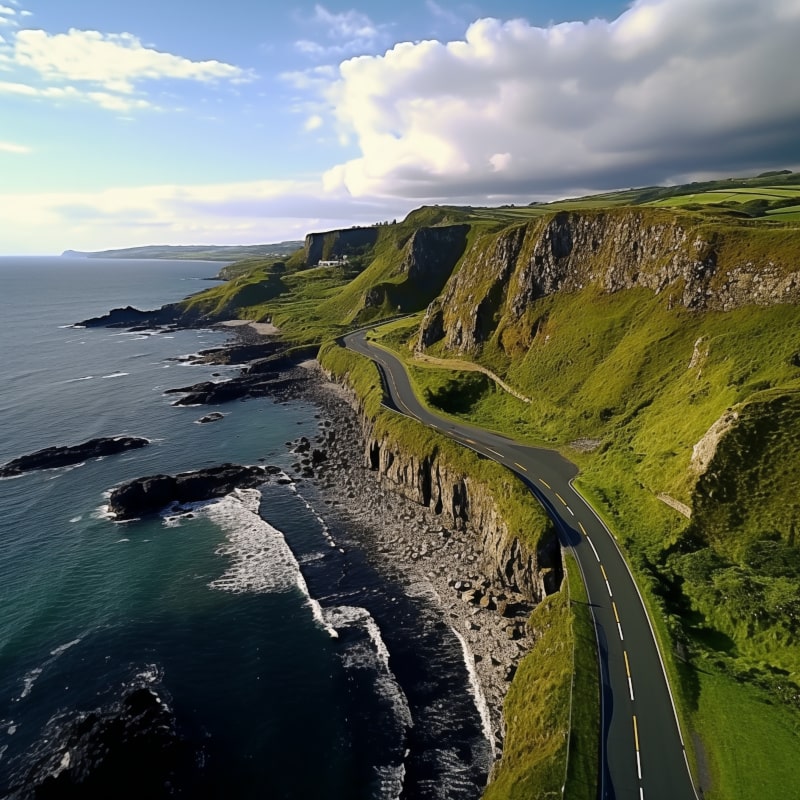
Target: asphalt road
[(642, 752)]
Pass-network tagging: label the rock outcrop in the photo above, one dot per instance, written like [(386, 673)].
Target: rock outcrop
[(429, 256), (52, 457), (691, 263), (130, 317), (130, 747), (466, 503), (151, 494), (335, 244)]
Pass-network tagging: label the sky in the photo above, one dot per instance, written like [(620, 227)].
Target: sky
[(197, 122)]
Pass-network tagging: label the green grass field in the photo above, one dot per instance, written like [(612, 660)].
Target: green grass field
[(643, 382)]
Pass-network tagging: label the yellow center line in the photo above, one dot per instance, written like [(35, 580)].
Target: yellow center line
[(602, 569), (517, 464), (635, 733), (561, 498), (544, 482), (583, 530), (627, 665), (614, 606), (471, 441)]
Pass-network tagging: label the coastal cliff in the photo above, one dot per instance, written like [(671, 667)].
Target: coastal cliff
[(517, 541), (688, 261), (335, 244)]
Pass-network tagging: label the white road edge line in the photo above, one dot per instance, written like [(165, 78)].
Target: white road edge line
[(591, 544)]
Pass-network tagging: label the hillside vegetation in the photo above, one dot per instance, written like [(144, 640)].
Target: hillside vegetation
[(655, 332)]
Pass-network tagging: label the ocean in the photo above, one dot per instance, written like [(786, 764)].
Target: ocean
[(247, 649)]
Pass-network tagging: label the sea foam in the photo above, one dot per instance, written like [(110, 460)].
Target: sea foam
[(261, 560), (477, 691), (370, 653)]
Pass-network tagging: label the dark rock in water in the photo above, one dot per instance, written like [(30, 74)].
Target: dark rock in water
[(212, 417), (52, 457), (210, 393), (150, 494), (318, 456), (240, 353), (129, 748), (303, 445), (130, 316)]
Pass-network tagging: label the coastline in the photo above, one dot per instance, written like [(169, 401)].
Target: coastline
[(404, 541), (407, 542)]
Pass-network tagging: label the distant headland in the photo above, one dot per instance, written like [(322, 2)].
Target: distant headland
[(197, 252)]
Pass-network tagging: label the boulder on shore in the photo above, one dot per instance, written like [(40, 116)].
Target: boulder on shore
[(52, 457), (150, 494)]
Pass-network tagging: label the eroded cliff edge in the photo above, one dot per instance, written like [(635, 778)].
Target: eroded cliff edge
[(693, 264), (517, 540)]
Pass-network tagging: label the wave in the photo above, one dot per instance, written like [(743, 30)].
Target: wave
[(325, 530), (477, 691), (115, 375), (364, 650), (261, 560), (31, 676)]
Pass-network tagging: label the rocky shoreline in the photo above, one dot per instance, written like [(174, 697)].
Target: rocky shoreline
[(406, 541)]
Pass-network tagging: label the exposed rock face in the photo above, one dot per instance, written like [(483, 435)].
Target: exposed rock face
[(614, 250), (334, 244), (431, 254), (467, 504), (704, 451), (151, 494), (429, 257), (52, 457)]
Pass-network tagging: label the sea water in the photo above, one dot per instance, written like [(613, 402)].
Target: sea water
[(289, 667)]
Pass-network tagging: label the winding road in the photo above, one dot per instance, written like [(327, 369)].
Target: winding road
[(642, 752)]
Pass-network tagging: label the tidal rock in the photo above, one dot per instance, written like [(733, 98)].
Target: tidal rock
[(129, 748), (212, 417), (211, 393), (52, 457), (150, 494), (130, 316)]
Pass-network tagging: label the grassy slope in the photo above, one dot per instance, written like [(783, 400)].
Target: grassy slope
[(727, 588), (616, 369)]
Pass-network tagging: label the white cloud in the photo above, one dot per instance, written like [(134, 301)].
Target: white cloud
[(346, 33), (313, 123), (115, 61), (347, 25), (500, 161), (440, 12), (7, 12), (106, 100), (16, 149), (669, 88), (235, 213)]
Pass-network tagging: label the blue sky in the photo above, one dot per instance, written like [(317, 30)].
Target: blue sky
[(184, 122)]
